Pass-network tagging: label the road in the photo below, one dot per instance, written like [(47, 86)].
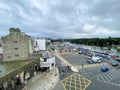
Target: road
[(63, 69)]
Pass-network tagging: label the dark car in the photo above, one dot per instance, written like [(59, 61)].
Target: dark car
[(114, 64), (104, 69), (89, 61), (117, 59)]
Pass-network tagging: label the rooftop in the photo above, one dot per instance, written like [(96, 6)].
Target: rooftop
[(8, 67)]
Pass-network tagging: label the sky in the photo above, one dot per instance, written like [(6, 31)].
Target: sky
[(61, 18)]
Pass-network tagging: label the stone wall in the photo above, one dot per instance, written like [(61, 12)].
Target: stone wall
[(17, 45)]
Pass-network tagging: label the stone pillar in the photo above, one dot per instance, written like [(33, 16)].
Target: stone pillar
[(22, 77), (13, 84), (5, 85)]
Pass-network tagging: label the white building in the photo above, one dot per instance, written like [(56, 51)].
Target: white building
[(47, 62), (40, 44), (1, 53)]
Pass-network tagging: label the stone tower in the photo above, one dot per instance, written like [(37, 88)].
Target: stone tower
[(17, 45)]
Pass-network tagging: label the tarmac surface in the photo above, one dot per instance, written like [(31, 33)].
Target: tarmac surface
[(99, 80)]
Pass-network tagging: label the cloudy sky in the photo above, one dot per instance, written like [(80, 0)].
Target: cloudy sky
[(61, 18)]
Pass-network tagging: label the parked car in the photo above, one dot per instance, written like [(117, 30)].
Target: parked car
[(114, 64), (117, 59), (104, 69), (99, 61), (95, 59), (89, 61)]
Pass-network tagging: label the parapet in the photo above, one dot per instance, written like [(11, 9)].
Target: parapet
[(14, 30)]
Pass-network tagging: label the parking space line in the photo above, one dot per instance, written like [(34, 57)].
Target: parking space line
[(102, 78), (65, 83), (70, 82), (80, 83), (103, 73), (75, 81), (106, 77), (98, 78), (109, 76), (119, 72)]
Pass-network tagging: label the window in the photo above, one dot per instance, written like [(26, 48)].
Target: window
[(4, 41), (15, 48), (16, 55), (45, 59), (52, 64), (15, 41), (8, 56)]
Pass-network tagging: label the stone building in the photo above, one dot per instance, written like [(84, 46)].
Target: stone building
[(47, 61), (14, 74), (17, 45), (19, 63)]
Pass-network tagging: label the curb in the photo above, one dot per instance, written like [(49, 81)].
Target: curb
[(57, 72), (67, 63)]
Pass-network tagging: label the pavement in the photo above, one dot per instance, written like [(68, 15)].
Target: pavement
[(58, 86), (67, 63), (43, 80)]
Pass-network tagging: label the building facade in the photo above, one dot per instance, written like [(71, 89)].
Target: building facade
[(40, 44), (47, 62), (17, 45), (15, 74)]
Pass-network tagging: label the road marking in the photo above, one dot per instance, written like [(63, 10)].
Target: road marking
[(101, 78), (90, 65), (70, 82), (109, 76), (76, 82), (98, 78), (106, 77)]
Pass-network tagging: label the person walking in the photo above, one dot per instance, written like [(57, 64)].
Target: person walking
[(82, 65)]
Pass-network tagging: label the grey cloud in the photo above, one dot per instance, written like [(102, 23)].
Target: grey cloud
[(61, 18)]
